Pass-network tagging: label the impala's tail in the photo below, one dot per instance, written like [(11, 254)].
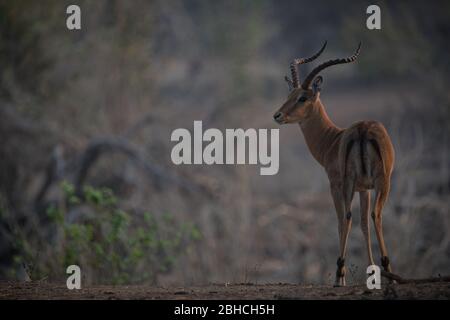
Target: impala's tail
[(356, 145), (359, 142), (365, 160)]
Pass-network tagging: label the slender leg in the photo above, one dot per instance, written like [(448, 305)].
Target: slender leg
[(381, 195), (339, 206), (364, 198), (348, 192), (336, 193), (342, 198)]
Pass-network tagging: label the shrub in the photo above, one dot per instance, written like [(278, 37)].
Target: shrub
[(108, 243)]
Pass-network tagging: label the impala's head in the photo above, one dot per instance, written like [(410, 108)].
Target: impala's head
[(299, 104), (302, 98)]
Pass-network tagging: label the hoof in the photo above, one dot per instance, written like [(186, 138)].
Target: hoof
[(385, 262), (340, 282)]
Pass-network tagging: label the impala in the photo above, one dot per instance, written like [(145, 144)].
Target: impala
[(356, 159)]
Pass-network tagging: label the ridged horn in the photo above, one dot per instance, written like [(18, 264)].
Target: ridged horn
[(296, 62), (316, 70)]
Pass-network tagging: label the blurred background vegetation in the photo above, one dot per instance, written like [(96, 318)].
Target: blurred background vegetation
[(86, 118)]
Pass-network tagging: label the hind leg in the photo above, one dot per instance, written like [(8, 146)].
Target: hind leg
[(336, 192), (348, 191), (364, 198), (381, 194)]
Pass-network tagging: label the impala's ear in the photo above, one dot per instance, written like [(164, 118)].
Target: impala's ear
[(317, 84)]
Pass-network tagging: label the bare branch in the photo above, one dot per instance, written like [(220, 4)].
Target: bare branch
[(156, 174)]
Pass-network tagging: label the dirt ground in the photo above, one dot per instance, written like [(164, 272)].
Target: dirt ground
[(46, 290)]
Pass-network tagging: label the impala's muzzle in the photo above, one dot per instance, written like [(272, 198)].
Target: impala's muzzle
[(278, 117)]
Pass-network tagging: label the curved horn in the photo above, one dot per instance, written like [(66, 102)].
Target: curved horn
[(315, 72), (296, 62)]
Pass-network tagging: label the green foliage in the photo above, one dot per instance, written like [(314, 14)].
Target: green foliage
[(109, 244)]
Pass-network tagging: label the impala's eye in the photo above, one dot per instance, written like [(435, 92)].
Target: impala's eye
[(302, 99)]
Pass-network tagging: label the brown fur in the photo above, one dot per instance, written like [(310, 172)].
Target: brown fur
[(356, 159)]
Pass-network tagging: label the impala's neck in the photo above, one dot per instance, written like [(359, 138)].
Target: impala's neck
[(319, 131)]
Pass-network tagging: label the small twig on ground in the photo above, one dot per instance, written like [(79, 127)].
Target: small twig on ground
[(401, 280)]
